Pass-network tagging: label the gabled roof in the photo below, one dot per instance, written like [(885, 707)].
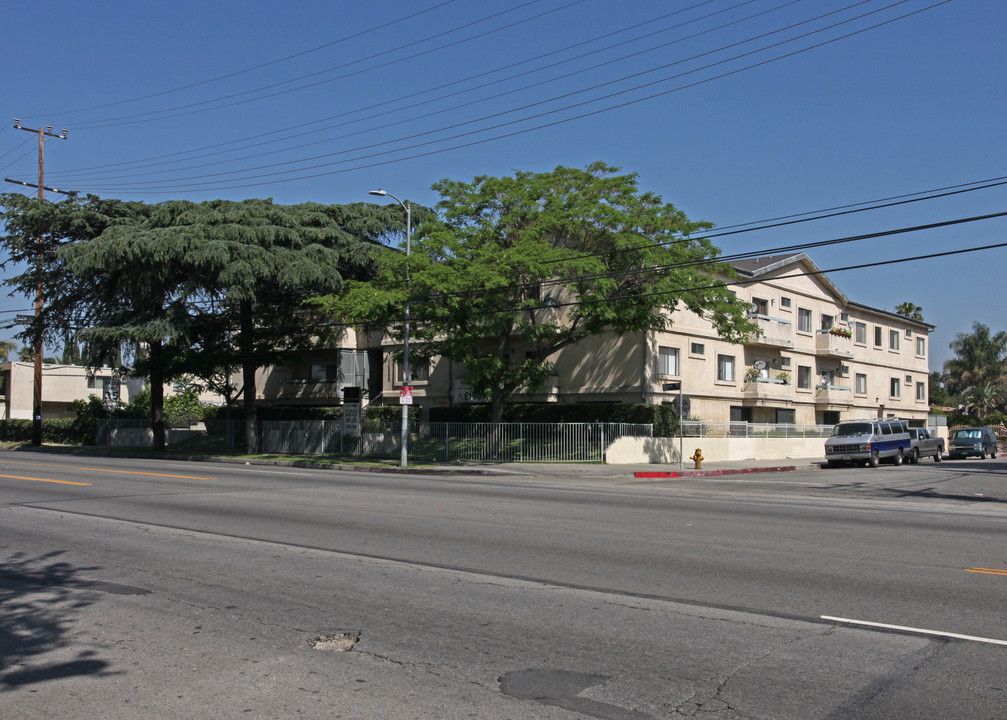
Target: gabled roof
[(756, 267)]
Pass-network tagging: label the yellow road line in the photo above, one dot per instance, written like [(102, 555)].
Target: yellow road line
[(61, 482), (987, 571), (106, 470)]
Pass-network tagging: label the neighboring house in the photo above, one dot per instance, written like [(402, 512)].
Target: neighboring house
[(820, 358), (61, 385)]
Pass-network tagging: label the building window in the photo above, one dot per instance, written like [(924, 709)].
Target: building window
[(921, 347), (877, 336), (784, 362), (420, 372), (861, 329), (909, 333), (804, 320), (725, 368), (921, 391), (861, 385), (909, 379), (895, 388), (667, 363), (893, 339), (828, 321), (697, 349), (786, 417), (785, 303), (760, 306), (803, 377)]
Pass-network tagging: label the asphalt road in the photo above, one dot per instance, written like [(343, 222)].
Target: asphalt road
[(158, 589)]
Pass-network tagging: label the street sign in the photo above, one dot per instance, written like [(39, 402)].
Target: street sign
[(668, 387), (406, 395)]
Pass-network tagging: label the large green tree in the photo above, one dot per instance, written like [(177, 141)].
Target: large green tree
[(210, 286), (980, 360), (514, 269)]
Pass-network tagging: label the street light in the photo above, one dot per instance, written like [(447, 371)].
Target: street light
[(406, 397)]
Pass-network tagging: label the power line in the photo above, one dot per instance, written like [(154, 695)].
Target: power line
[(162, 186)]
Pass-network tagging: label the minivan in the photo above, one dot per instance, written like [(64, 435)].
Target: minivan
[(978, 441), (869, 441)]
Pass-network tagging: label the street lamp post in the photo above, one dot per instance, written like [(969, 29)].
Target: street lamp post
[(406, 397)]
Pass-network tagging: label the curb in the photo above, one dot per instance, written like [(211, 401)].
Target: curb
[(711, 473)]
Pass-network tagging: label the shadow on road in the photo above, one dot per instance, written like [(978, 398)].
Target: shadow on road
[(40, 601)]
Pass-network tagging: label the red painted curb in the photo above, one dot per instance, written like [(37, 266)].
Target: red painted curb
[(710, 473)]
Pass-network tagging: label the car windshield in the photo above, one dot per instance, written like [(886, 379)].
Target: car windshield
[(968, 435), (852, 429)]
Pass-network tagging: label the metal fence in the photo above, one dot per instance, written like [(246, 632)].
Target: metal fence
[(432, 442), (702, 428)]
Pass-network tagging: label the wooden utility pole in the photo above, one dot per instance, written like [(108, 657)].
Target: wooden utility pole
[(36, 426)]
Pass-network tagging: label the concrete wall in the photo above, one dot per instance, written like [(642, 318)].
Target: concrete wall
[(630, 451)]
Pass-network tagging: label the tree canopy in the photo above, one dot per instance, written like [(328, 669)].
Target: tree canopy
[(514, 269), (979, 364)]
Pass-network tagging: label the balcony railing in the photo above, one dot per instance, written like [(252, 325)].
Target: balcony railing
[(829, 343)]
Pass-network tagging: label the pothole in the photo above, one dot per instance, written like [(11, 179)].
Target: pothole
[(337, 642)]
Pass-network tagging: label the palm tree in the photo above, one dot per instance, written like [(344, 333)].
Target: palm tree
[(6, 347), (983, 399), (980, 359), (910, 310)]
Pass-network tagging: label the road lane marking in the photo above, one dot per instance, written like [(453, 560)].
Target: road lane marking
[(106, 470), (48, 480), (988, 571), (920, 631)]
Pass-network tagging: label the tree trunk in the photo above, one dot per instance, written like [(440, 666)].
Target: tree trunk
[(248, 379), (157, 393)]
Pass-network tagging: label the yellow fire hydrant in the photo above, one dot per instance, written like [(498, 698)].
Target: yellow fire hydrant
[(697, 457)]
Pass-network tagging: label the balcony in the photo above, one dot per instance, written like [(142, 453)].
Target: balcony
[(829, 396), (830, 343), (766, 391), (775, 332)]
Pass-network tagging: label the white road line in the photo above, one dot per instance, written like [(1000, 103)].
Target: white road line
[(921, 631)]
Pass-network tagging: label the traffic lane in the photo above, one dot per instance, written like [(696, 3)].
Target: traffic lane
[(785, 557), (440, 643)]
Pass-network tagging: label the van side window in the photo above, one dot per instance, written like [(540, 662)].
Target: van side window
[(886, 429)]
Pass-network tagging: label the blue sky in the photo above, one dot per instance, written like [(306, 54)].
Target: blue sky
[(734, 111)]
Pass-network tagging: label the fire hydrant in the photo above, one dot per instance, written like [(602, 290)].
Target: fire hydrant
[(697, 457)]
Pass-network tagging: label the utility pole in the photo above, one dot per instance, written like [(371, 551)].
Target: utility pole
[(36, 425)]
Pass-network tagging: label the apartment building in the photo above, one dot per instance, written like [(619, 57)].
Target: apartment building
[(819, 357)]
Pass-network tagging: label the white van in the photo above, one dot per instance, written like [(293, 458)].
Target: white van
[(870, 441)]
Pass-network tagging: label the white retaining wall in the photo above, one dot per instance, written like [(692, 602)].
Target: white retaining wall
[(633, 450)]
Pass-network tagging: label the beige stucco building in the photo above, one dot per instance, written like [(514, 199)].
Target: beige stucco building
[(820, 357), (61, 385)]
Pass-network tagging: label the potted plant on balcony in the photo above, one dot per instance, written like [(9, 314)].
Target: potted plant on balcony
[(752, 374), (784, 377), (841, 331)]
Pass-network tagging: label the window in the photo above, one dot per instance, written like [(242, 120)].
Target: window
[(760, 306), (861, 386), (861, 335), (803, 377), (325, 373), (784, 362), (828, 321), (921, 391), (803, 320), (895, 388), (909, 379), (893, 339), (667, 362), (877, 336), (725, 368), (921, 347), (909, 333), (697, 349), (785, 303), (420, 372), (786, 417)]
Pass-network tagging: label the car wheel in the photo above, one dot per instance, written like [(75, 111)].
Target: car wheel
[(899, 458), (993, 452), (875, 459), (914, 456), (938, 455), (982, 453)]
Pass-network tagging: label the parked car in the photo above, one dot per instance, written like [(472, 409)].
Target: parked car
[(869, 441), (977, 441), (923, 444)]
